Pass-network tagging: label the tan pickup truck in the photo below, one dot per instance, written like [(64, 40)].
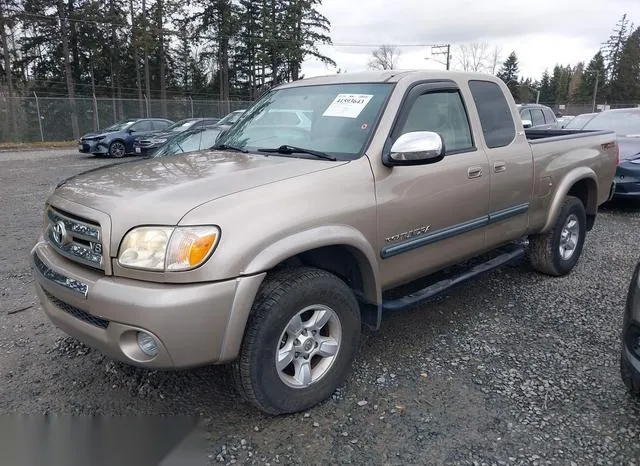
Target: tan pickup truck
[(272, 250)]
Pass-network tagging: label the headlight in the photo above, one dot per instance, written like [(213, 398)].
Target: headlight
[(157, 141), (168, 248)]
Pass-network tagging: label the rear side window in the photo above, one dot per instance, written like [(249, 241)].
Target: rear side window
[(494, 112), (549, 117), (536, 117), (159, 124)]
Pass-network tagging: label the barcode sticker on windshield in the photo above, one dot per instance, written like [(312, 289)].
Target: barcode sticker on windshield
[(347, 105)]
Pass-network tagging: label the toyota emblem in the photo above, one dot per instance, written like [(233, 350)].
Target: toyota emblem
[(59, 233)]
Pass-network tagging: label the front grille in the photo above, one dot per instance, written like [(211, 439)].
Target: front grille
[(78, 313), (76, 238)]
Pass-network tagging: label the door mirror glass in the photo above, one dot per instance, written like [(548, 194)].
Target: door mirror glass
[(416, 148), (527, 123)]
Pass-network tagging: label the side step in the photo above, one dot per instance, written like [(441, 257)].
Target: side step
[(424, 294)]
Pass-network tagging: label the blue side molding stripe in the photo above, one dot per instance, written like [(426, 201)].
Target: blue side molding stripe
[(449, 232), (509, 212)]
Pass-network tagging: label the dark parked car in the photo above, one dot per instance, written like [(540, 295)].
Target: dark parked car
[(117, 140), (630, 355), (192, 140), (537, 116), (626, 124), (146, 144)]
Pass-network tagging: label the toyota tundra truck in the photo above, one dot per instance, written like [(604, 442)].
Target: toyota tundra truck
[(276, 248)]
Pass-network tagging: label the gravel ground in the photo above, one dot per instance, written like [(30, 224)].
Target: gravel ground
[(512, 368)]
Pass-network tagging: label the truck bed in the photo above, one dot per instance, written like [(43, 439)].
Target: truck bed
[(542, 135)]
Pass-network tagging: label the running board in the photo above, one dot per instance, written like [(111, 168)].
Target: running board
[(430, 291)]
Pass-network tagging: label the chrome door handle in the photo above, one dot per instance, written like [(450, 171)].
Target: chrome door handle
[(474, 172), (499, 167)]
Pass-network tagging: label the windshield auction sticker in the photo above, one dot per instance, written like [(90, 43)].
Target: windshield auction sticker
[(347, 105)]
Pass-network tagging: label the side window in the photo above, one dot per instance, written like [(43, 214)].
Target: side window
[(495, 115), (536, 117), (443, 113), (525, 114), (142, 126), (549, 117)]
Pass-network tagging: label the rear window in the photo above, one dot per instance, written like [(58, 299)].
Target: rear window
[(494, 112)]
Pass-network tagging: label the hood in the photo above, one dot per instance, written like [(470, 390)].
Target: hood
[(98, 134), (162, 190), (629, 148)]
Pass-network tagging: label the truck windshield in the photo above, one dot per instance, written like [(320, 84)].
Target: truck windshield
[(333, 119)]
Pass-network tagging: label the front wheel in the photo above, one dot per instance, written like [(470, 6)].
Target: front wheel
[(117, 149), (557, 251), (302, 336)]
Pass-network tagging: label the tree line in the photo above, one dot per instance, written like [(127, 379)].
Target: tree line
[(611, 76), (233, 49)]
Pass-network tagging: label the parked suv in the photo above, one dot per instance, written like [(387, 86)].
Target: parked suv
[(117, 140), (538, 116)]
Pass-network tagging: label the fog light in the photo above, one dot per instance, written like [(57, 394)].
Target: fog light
[(147, 344)]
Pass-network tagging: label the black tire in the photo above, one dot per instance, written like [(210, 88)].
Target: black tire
[(284, 294), (544, 249), (632, 384), (117, 149)]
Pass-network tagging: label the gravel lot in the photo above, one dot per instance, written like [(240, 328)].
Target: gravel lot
[(512, 368)]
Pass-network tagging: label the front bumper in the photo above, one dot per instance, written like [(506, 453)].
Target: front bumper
[(92, 147), (145, 150), (193, 324)]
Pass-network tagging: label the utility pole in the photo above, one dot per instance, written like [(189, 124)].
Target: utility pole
[(443, 50), (595, 92)]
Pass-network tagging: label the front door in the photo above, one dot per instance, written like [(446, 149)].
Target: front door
[(432, 215)]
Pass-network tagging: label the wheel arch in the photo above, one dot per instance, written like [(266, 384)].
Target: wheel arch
[(581, 183), (339, 249)]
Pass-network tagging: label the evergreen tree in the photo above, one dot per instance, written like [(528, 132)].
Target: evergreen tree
[(547, 92), (596, 67), (625, 87), (577, 75), (612, 48), (509, 73)]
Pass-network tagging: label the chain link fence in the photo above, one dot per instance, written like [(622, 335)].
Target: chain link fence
[(48, 119), (584, 107)]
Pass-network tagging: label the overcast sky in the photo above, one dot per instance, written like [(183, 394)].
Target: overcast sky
[(541, 32)]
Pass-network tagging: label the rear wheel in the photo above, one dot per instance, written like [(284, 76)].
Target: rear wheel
[(301, 338), (557, 251), (117, 149)]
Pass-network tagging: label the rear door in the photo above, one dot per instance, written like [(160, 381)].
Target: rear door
[(432, 215), (510, 160)]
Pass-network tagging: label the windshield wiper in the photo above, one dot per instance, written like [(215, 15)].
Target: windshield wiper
[(230, 147), (287, 149)]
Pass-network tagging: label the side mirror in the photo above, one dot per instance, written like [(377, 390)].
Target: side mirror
[(130, 131), (527, 123), (416, 148)]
